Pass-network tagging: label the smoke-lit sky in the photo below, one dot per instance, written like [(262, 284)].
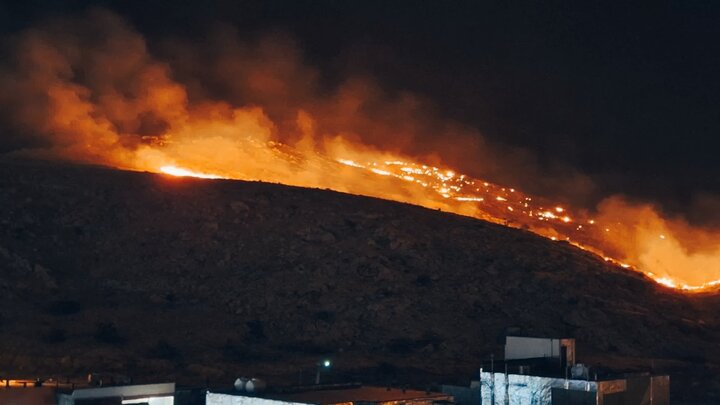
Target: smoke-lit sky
[(627, 95)]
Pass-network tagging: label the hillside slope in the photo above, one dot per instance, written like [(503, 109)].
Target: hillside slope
[(154, 276)]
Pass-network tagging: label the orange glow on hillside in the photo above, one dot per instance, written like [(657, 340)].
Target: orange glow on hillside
[(439, 188), (180, 172), (95, 94)]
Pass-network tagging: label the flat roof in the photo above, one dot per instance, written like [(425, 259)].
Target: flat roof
[(351, 394), (359, 394), (126, 391), (539, 337)]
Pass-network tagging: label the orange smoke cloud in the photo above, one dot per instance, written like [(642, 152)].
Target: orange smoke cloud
[(88, 89), (671, 249)]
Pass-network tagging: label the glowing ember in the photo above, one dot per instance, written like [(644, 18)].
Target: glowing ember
[(380, 172), (523, 211)]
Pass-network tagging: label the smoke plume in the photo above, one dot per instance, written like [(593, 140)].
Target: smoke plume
[(91, 89)]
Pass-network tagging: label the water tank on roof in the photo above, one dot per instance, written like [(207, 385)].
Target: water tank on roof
[(579, 371), (241, 383), (255, 386)]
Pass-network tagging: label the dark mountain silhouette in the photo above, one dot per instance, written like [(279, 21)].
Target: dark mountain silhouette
[(159, 277)]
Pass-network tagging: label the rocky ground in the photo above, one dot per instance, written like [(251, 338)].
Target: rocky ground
[(175, 278)]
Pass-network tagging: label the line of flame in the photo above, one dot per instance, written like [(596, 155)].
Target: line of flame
[(450, 186)]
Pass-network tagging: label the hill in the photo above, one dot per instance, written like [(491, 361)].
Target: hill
[(162, 277)]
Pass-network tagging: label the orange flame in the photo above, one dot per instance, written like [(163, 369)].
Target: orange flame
[(180, 172), (127, 110), (461, 189)]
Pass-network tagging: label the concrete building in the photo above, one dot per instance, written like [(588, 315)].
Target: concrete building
[(558, 350), (351, 395), (517, 389), (147, 394), (543, 371)]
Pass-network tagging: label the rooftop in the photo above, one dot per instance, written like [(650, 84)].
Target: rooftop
[(354, 393)]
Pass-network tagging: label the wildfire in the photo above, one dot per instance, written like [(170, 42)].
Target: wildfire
[(180, 172), (130, 110), (458, 193)]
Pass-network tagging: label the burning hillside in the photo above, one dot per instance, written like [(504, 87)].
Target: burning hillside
[(161, 277), (106, 99), (444, 189)]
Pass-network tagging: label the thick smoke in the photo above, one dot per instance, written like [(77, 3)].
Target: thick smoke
[(667, 247), (88, 88), (92, 89)]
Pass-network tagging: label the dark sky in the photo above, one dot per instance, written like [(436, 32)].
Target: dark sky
[(629, 95)]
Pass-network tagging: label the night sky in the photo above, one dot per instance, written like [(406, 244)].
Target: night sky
[(627, 95)]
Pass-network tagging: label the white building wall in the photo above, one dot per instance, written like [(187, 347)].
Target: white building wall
[(170, 400), (213, 398), (525, 389), (64, 399), (153, 394)]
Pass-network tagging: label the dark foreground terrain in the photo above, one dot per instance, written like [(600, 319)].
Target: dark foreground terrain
[(174, 278)]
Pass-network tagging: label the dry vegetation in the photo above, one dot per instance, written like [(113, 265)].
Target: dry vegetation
[(159, 277)]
